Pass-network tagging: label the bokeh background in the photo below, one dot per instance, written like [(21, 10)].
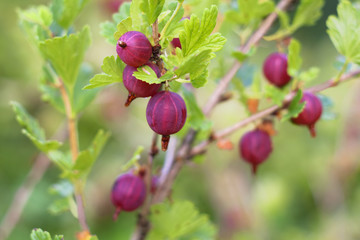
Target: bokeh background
[(308, 188)]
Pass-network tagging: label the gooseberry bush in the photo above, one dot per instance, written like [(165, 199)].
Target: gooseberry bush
[(167, 52)]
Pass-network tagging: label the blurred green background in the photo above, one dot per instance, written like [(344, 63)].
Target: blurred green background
[(308, 188)]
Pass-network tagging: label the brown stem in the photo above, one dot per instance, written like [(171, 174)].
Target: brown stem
[(155, 31), (73, 138), (143, 224), (71, 120), (22, 195), (253, 40)]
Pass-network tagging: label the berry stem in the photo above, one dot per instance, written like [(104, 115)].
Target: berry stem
[(122, 44), (129, 99)]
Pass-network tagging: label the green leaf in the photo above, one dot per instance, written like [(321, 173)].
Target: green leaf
[(307, 13), (63, 161), (277, 95), (135, 158), (152, 9), (66, 54), (82, 98), (109, 28), (50, 93), (180, 220), (36, 22), (295, 107), (59, 206), (136, 14), (309, 75), (113, 70), (123, 27), (294, 58), (33, 130), (63, 188), (196, 65), (38, 234), (86, 158), (146, 74), (65, 11), (195, 116), (250, 12), (195, 33), (43, 145), (344, 31), (174, 27)]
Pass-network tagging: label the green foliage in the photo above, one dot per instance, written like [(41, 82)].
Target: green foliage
[(134, 159), (136, 14), (146, 74), (195, 116), (66, 54), (250, 12), (65, 11), (294, 58), (309, 74), (180, 220), (123, 27), (170, 23), (295, 107), (196, 34), (307, 13), (344, 31), (38, 234), (32, 129), (109, 28), (276, 94), (36, 22), (81, 99), (113, 69), (152, 9), (87, 158)]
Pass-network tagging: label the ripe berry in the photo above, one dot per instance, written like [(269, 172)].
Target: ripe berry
[(134, 48), (136, 87), (255, 146), (166, 114), (176, 43), (311, 112), (275, 69), (128, 193)]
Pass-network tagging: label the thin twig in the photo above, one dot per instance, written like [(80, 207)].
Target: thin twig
[(199, 149), (253, 40), (143, 223), (70, 118), (74, 146), (22, 195)]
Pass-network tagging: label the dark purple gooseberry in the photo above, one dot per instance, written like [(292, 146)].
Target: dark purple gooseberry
[(134, 48), (311, 112), (176, 43), (275, 69), (255, 147), (166, 114), (136, 87), (128, 193)]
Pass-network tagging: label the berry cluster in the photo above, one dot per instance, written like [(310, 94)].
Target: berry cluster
[(255, 146), (166, 111)]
